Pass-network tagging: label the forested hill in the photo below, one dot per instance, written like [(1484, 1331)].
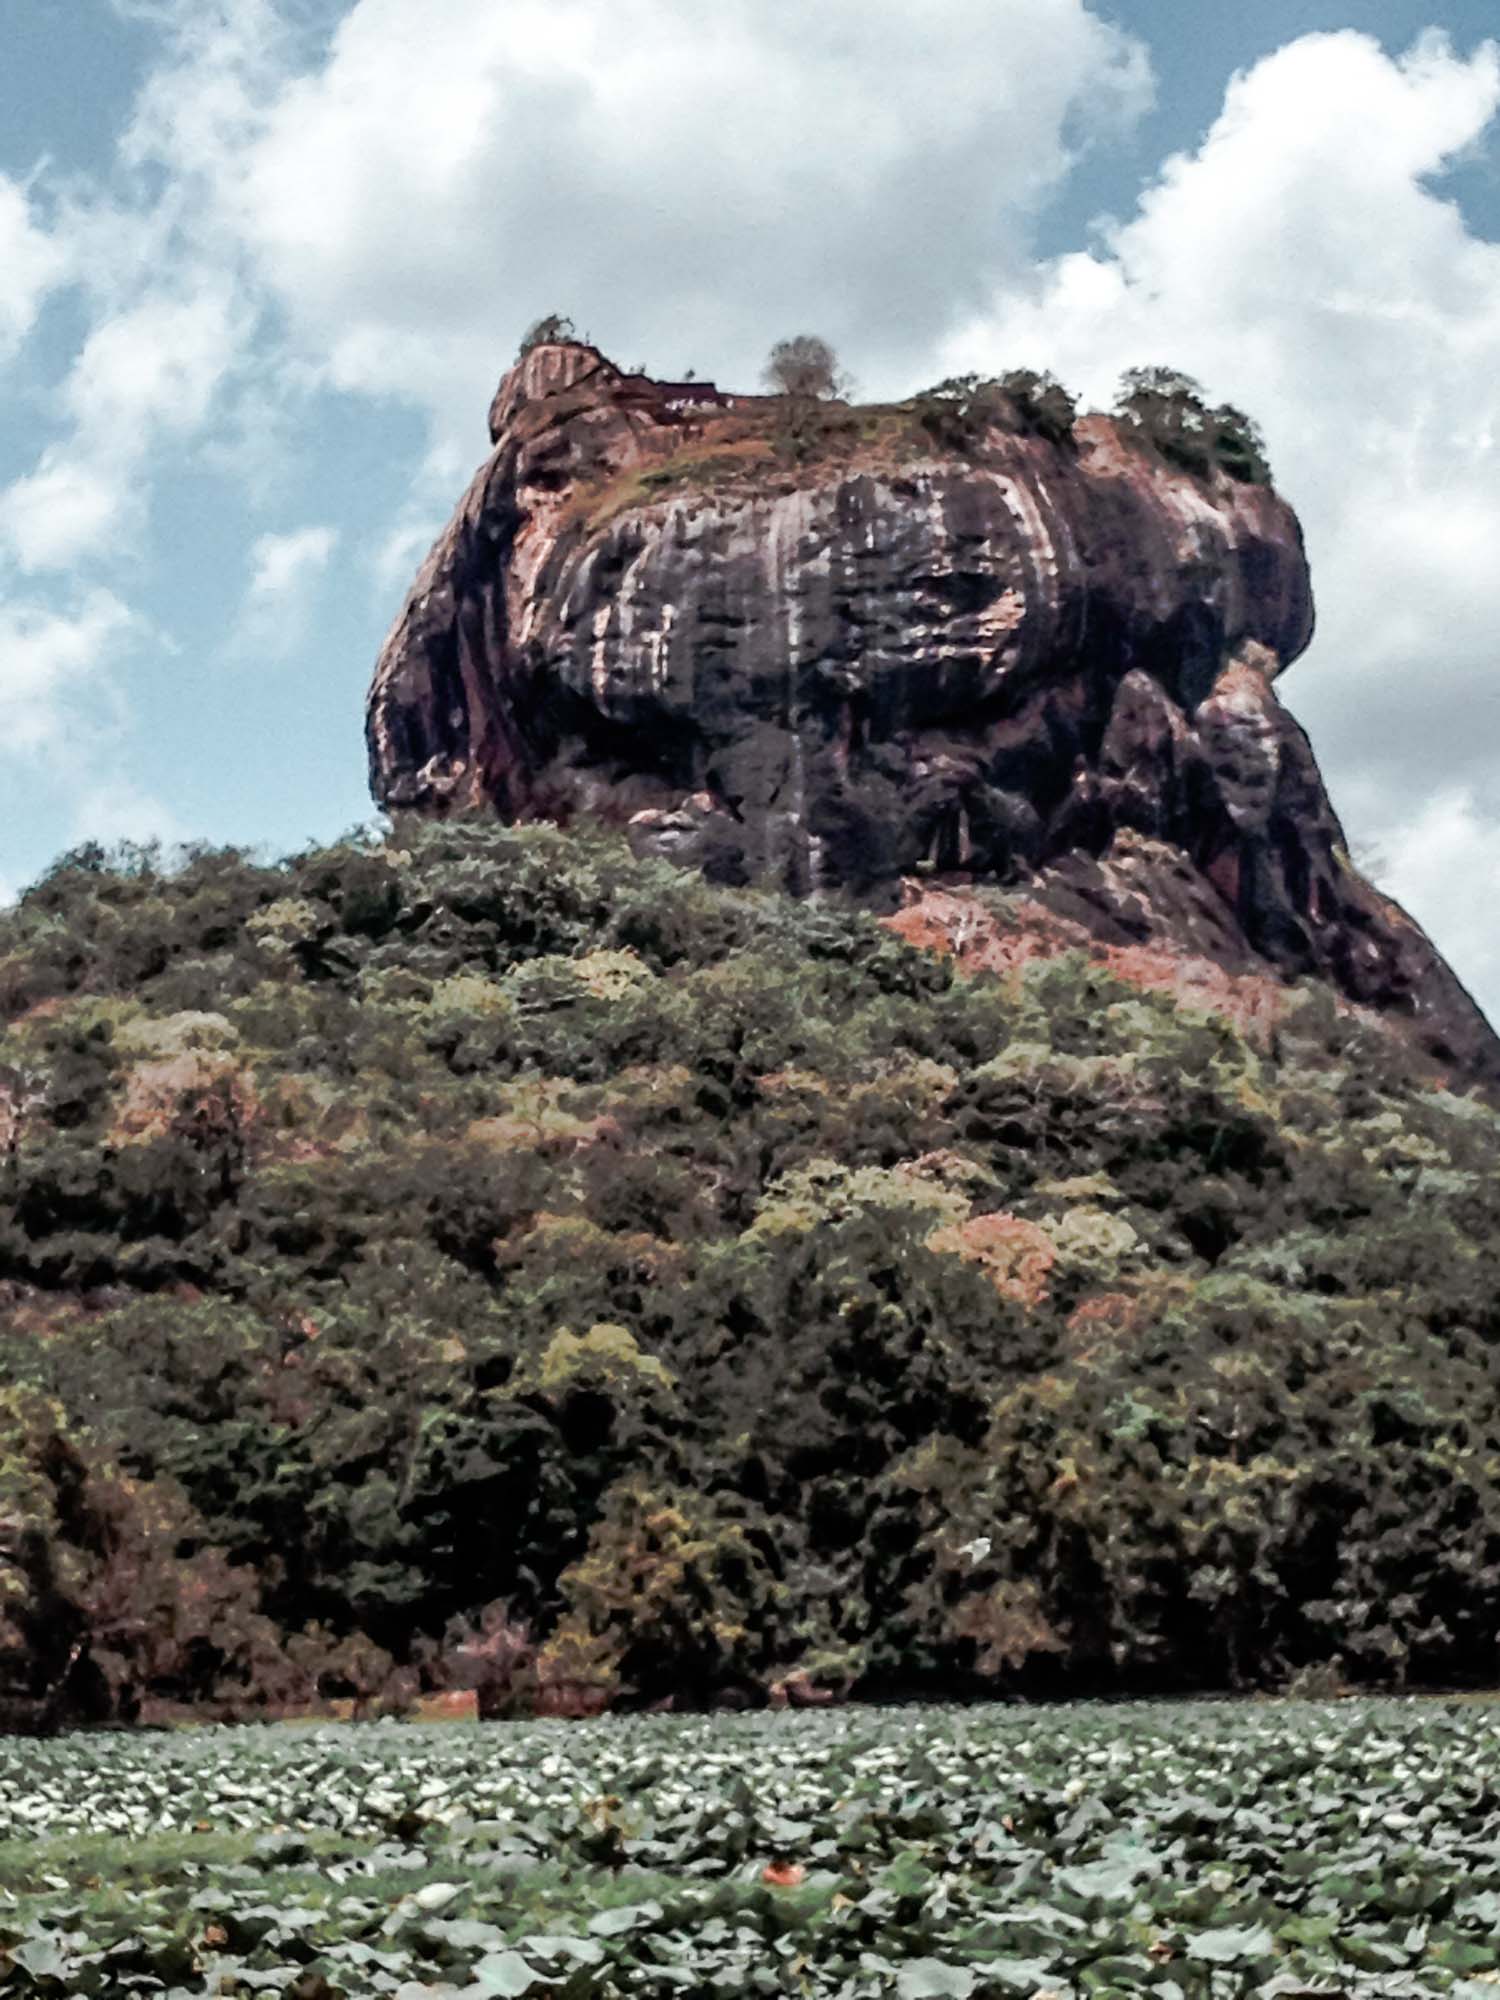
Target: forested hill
[(487, 1258)]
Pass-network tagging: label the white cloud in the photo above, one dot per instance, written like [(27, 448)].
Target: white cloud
[(51, 664), (62, 510), (284, 573), (113, 809), (154, 365), (1448, 868), (204, 103), (145, 373), (1303, 264), (66, 718), (281, 566), (401, 552), (31, 262), (689, 182), (163, 276), (168, 360)]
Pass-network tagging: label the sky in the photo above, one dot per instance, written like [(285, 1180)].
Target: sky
[(263, 261)]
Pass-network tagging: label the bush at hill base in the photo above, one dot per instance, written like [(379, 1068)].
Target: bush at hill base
[(478, 1259)]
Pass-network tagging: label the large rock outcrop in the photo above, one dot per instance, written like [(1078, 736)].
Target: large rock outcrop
[(1036, 661)]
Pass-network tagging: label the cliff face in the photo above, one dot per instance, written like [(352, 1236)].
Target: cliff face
[(1041, 663)]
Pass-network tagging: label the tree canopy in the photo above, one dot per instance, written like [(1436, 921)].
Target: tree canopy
[(476, 1254), (805, 366)]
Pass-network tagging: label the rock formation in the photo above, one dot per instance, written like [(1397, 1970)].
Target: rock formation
[(841, 662)]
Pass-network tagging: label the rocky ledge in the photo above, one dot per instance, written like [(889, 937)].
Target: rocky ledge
[(1039, 660)]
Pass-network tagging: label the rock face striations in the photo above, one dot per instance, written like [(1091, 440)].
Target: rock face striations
[(1029, 659)]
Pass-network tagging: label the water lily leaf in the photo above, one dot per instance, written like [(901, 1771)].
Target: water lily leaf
[(1106, 1881), (1372, 1954), (437, 1895), (1465, 1957), (1232, 1946), (1017, 1975), (281, 1850), (587, 1951), (626, 1917), (931, 1979), (505, 1973), (1117, 1975), (43, 1958)]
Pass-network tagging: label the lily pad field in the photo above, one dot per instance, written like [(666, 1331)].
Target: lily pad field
[(1216, 1848)]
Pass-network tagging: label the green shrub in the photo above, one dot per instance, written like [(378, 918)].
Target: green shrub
[(1168, 411), (401, 1231), (960, 412)]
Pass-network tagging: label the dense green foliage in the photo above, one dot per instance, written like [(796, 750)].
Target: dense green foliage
[(961, 410), (480, 1259), (550, 327), (1187, 1853), (1167, 410)]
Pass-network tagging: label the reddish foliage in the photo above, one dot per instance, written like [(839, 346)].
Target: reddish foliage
[(783, 1874), (797, 1691), (955, 924), (573, 1700), (1099, 1318), (193, 1095), (453, 1705), (1017, 1256)]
